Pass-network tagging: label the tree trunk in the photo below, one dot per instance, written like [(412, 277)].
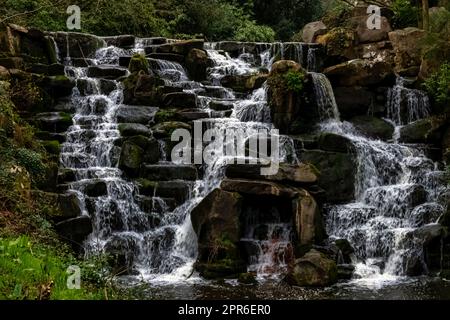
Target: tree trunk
[(425, 15)]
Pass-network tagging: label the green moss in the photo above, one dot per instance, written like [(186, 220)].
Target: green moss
[(166, 115), (53, 147), (138, 63), (146, 186), (295, 81)]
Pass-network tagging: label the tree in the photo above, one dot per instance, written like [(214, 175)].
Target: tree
[(425, 15)]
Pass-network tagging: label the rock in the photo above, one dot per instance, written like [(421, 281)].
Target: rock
[(169, 172), (77, 45), (178, 190), (221, 105), (345, 271), (360, 72), (180, 100), (290, 111), (106, 72), (70, 205), (120, 252), (247, 278), (4, 74), (122, 41), (168, 57), (180, 47), (55, 122), (58, 86), (421, 131), (97, 188), (216, 222), (197, 63), (366, 35), (55, 69), (353, 101), (339, 44), (142, 89), (136, 114), (430, 232), (346, 250), (337, 176), (165, 129), (260, 188), (138, 62), (308, 220), (12, 63), (312, 30), (374, 128), (244, 83), (334, 143), (53, 147), (407, 48), (131, 158), (75, 230), (134, 129), (314, 269), (302, 173)]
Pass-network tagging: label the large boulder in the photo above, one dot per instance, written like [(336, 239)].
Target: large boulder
[(337, 176), (141, 88), (314, 269), (366, 35), (244, 83), (197, 63), (339, 44), (136, 151), (289, 107), (353, 101), (258, 188), (312, 30), (428, 130), (408, 52), (360, 72), (308, 219), (139, 62), (77, 45), (374, 128), (216, 222)]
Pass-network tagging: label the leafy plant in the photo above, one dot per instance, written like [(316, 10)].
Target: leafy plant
[(294, 81), (438, 85), (250, 31), (405, 14)]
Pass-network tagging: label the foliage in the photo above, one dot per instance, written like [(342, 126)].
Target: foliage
[(405, 14), (438, 85), (294, 81), (35, 271), (436, 43), (250, 31), (337, 15)]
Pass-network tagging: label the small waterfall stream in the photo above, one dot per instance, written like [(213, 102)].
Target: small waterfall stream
[(397, 194)]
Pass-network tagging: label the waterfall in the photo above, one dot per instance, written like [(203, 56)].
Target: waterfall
[(312, 60), (406, 105), (326, 102), (394, 199)]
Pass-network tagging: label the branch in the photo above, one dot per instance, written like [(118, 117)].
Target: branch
[(31, 11)]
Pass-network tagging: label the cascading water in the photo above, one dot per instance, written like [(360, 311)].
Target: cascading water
[(406, 105), (158, 243), (397, 194)]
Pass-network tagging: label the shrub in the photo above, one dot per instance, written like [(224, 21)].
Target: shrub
[(438, 85), (405, 14), (294, 81), (251, 32)]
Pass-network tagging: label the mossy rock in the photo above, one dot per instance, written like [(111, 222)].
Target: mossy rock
[(139, 63), (166, 115), (247, 278), (374, 128), (146, 187), (165, 129), (53, 147), (222, 269)]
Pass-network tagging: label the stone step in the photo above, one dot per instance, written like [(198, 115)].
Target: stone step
[(95, 86), (158, 205), (179, 190), (166, 56), (81, 62), (180, 100), (136, 114), (344, 217), (222, 105), (169, 172), (106, 72), (122, 41), (54, 122)]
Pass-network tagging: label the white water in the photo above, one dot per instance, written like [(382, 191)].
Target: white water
[(397, 192)]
